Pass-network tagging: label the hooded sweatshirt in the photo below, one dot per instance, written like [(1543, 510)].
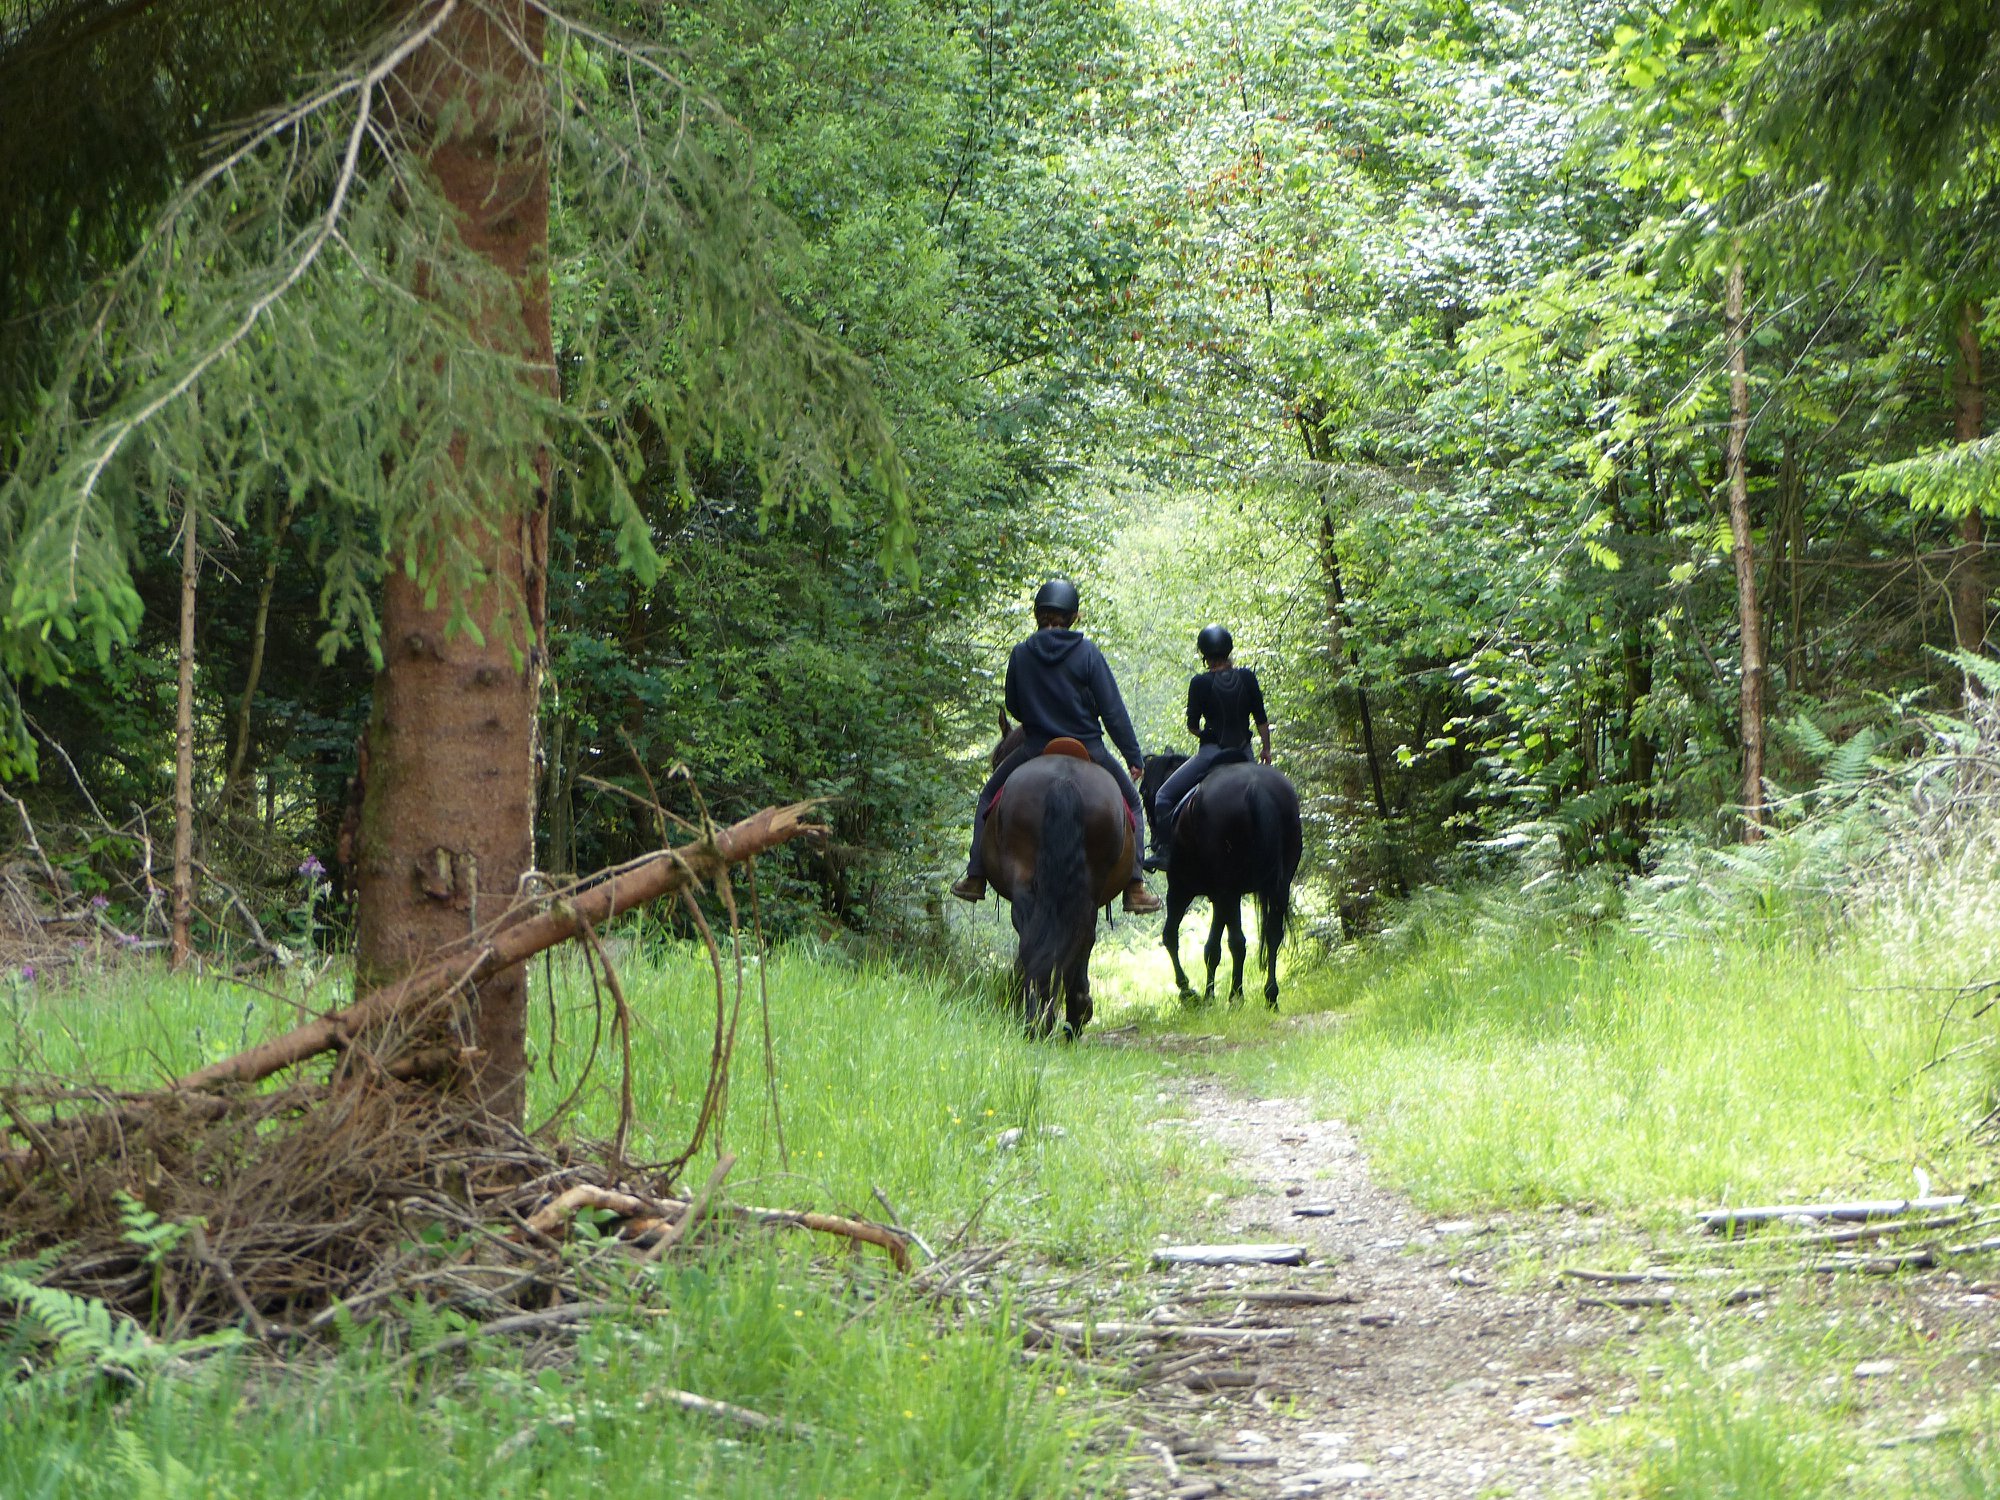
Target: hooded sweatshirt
[(1058, 683)]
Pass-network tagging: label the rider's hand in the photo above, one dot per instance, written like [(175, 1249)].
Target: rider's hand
[(1137, 773), (1264, 756)]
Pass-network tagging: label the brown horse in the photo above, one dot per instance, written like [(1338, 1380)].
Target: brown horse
[(1058, 846)]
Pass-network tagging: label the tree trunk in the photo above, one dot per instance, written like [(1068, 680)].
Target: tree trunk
[(1337, 615), (447, 823), (1640, 752), (1969, 587), (1749, 620), (183, 915), (1366, 716), (233, 784)]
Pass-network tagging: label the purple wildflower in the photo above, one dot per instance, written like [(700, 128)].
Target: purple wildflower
[(312, 869), (98, 903), (28, 973)]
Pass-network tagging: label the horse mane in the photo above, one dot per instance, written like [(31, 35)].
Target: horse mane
[(1012, 738)]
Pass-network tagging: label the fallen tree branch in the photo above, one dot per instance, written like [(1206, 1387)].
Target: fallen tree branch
[(1870, 1208), (727, 1411), (572, 1312), (563, 1206), (1629, 1300), (673, 1219), (513, 940), (896, 1244), (1107, 1331), (691, 1216)]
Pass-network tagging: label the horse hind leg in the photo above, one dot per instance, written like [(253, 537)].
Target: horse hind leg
[(1077, 1006), (1228, 918), (1037, 998), (1177, 906), (1212, 949)]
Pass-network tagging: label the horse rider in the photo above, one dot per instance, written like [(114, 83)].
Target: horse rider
[(1223, 701), (1058, 683)]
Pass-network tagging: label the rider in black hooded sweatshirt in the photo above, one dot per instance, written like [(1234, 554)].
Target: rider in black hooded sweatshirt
[(1058, 684)]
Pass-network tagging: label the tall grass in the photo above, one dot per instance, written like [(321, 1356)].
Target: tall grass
[(1495, 1055), (883, 1080)]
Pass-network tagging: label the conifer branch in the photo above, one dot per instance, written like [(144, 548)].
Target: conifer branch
[(120, 429)]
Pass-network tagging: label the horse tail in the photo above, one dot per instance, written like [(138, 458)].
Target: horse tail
[(1275, 860), (1059, 895)]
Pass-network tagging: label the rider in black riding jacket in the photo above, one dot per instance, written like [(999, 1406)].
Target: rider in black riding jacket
[(1223, 702), (1059, 684)]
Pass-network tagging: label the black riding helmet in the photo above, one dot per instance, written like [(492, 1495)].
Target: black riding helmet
[(1060, 595), (1214, 643)]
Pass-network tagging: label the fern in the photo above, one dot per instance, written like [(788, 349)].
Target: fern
[(1808, 736), (168, 1479), (84, 1330), (84, 1334), (1984, 670), (154, 1237), (1850, 764)]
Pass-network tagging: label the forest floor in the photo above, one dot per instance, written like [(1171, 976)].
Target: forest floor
[(1433, 1381)]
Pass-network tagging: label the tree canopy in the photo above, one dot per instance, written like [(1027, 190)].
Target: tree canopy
[(1396, 334)]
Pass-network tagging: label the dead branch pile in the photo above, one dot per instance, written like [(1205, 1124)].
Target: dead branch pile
[(312, 1199), (213, 1204)]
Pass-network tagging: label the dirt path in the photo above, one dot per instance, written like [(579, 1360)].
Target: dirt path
[(1431, 1382)]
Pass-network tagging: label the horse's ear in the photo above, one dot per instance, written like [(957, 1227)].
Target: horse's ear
[(1005, 728)]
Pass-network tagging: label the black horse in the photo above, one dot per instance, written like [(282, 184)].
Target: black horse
[(1058, 847), (1239, 835)]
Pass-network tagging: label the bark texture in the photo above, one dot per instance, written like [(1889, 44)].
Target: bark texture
[(1969, 586), (1749, 617), (447, 825), (183, 914)]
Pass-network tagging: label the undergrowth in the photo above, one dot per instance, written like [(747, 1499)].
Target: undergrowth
[(880, 1088), (1501, 1048)]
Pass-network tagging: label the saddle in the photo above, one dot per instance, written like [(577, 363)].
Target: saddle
[(1073, 749), (1237, 757)]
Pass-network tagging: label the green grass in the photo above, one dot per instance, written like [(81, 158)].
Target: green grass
[(900, 1407), (1490, 1055), (884, 1080), (1741, 1449), (1494, 1065)]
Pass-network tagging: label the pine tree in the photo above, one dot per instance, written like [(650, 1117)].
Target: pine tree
[(349, 302)]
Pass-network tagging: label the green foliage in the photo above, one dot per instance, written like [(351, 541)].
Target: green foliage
[(883, 1080), (1741, 1450), (81, 1336), (1950, 481), (1531, 1049), (917, 157)]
